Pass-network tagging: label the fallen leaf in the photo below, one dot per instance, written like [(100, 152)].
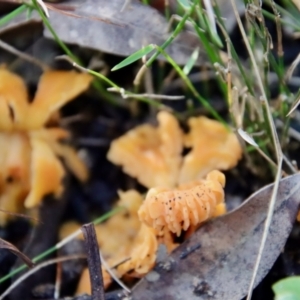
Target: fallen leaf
[(103, 26), (218, 260)]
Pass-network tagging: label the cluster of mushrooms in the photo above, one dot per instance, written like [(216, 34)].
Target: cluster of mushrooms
[(183, 190)]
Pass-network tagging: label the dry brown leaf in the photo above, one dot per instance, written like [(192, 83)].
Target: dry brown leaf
[(103, 26), (216, 260)]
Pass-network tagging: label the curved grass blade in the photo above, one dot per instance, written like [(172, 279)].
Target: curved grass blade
[(134, 57), (191, 62)]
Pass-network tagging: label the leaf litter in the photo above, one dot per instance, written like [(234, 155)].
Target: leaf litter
[(201, 286), (101, 25)]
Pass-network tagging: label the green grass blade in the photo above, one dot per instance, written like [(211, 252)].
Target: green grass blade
[(189, 84), (191, 62), (174, 34), (185, 4), (12, 15), (55, 36), (204, 20), (134, 57), (212, 54)]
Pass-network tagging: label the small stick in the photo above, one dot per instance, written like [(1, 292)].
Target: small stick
[(58, 280), (24, 56), (35, 269), (94, 261)]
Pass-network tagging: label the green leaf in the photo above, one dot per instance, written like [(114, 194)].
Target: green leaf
[(185, 4), (287, 289), (12, 15), (29, 12), (191, 62), (134, 57), (214, 35)]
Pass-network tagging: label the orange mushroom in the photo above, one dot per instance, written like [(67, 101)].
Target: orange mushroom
[(133, 236), (153, 154), (29, 151), (177, 209), (150, 154), (142, 255), (122, 237), (117, 234), (213, 147)]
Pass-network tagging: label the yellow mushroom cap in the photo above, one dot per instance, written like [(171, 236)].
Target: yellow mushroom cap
[(13, 100), (47, 173), (30, 153), (150, 154), (117, 234), (190, 204), (55, 89), (213, 146), (142, 255)]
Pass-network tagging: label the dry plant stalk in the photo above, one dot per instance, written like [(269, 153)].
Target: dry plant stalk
[(276, 143)]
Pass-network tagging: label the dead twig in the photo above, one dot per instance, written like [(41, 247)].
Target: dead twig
[(24, 56), (145, 95), (94, 261), (37, 268), (113, 275)]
